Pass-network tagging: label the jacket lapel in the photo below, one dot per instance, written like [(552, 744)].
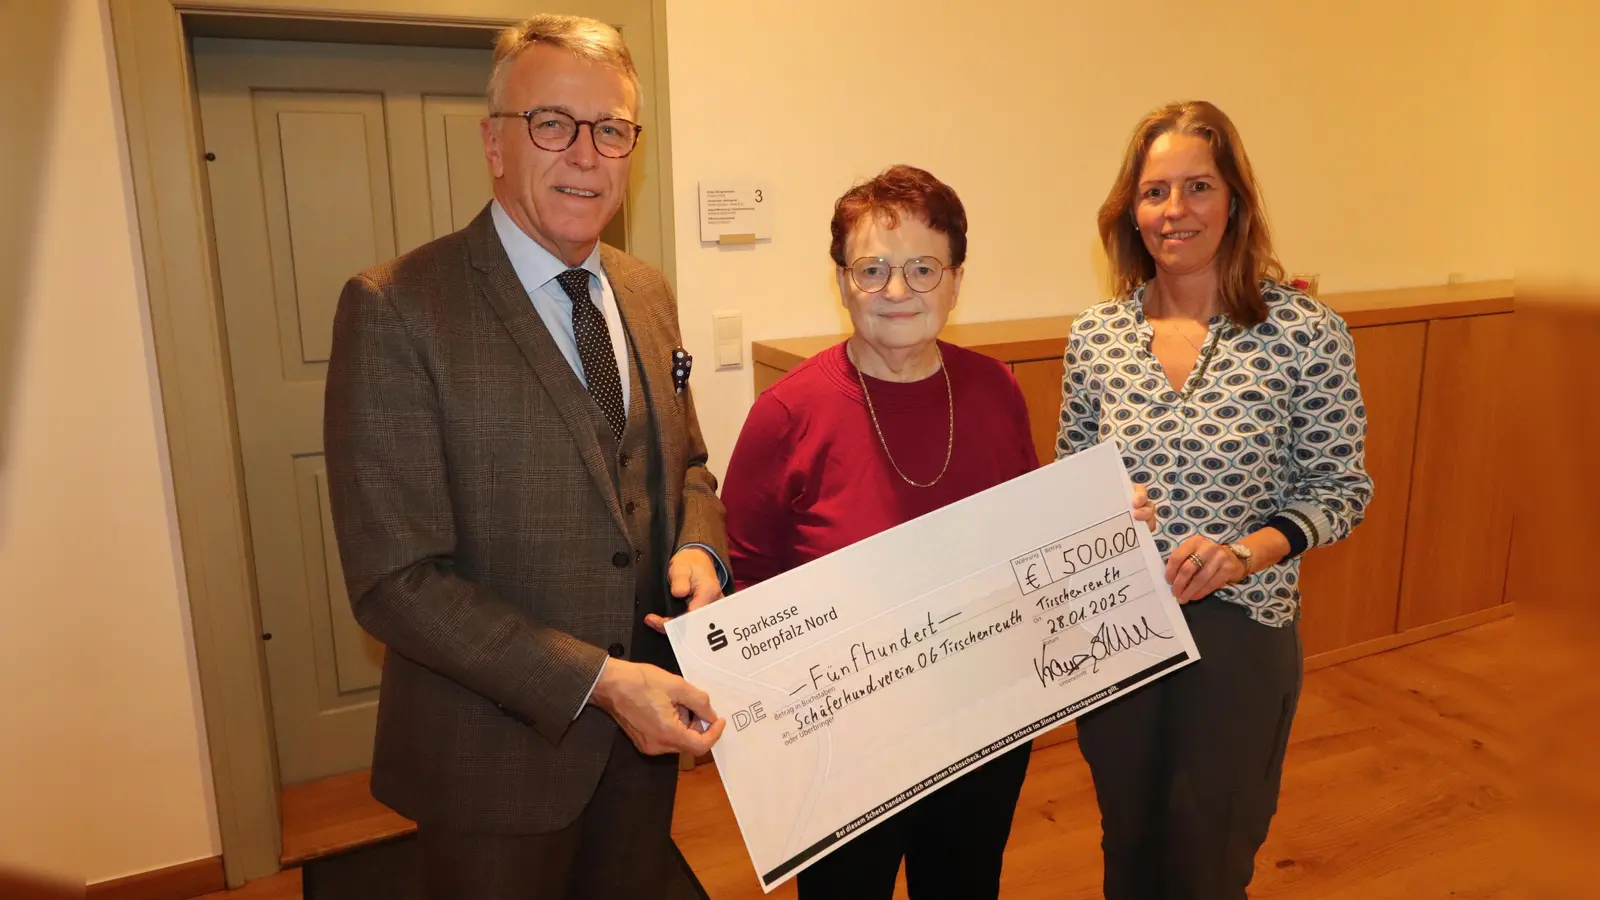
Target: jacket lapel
[(510, 302)]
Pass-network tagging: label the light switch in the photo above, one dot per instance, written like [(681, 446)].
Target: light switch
[(727, 333)]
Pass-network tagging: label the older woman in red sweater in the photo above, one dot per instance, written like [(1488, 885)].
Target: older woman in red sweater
[(887, 426)]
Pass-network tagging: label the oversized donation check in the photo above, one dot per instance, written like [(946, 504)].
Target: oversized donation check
[(859, 682)]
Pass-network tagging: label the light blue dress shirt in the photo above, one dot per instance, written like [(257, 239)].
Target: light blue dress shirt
[(537, 269)]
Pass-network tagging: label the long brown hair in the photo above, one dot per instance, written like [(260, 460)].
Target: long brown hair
[(1245, 255)]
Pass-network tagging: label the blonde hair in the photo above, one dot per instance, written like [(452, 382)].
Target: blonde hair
[(584, 38), (1245, 255)]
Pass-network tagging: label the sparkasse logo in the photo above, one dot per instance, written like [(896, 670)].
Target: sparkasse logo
[(717, 638)]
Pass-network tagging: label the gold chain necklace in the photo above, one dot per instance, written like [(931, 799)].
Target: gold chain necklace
[(1204, 359), (1184, 337), (1175, 329), (949, 449)]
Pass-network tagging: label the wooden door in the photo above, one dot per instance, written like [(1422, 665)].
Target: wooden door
[(323, 160)]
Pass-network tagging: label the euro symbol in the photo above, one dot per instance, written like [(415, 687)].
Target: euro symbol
[(1033, 580)]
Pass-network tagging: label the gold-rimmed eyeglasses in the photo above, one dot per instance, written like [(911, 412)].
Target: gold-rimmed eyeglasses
[(871, 274)]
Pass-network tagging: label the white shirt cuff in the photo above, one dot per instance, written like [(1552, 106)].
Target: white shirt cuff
[(579, 711)]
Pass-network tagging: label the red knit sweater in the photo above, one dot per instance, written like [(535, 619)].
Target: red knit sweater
[(809, 475)]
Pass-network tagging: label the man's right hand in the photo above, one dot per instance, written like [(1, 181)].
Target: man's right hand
[(651, 706)]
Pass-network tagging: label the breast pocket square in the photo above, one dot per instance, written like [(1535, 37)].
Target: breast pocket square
[(682, 362)]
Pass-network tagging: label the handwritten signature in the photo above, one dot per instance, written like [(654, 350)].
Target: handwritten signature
[(1108, 641)]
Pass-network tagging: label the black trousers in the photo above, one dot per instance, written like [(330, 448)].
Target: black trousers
[(620, 845), (953, 842), (1187, 768)]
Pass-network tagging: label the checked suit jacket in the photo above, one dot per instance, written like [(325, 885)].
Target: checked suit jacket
[(480, 528)]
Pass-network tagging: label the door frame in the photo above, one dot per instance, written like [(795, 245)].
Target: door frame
[(181, 285)]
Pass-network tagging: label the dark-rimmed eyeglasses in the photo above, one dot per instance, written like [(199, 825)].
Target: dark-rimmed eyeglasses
[(554, 130), (871, 274)]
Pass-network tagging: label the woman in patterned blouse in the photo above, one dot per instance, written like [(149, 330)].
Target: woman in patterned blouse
[(1234, 401)]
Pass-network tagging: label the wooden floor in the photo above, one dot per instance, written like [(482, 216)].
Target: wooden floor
[(1398, 785)]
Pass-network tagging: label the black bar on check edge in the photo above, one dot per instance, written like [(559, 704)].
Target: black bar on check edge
[(927, 784)]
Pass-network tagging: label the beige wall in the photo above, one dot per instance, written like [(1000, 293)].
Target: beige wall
[(1554, 43), (102, 762), (1369, 122)]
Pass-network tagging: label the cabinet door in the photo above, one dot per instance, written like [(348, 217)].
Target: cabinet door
[(1458, 534), (1351, 590), (1040, 380)]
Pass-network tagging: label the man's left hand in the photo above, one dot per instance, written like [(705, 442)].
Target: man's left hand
[(692, 575)]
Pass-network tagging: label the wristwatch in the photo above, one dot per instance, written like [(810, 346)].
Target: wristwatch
[(1245, 556)]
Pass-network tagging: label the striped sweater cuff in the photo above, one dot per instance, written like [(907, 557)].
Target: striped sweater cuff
[(1319, 527), (1298, 540)]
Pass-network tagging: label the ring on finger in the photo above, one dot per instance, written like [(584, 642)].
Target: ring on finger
[(1198, 560)]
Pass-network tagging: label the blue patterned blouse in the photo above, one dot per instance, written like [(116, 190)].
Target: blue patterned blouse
[(1269, 429)]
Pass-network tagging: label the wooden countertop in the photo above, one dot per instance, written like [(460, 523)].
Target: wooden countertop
[(1014, 340), (1419, 304)]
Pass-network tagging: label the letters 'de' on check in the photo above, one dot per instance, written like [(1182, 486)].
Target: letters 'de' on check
[(859, 682)]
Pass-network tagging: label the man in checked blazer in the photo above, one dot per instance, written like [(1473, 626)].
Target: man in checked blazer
[(520, 493)]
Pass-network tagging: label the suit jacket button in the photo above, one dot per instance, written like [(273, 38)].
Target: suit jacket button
[(638, 556), (622, 460), (629, 507), (619, 559), (616, 650)]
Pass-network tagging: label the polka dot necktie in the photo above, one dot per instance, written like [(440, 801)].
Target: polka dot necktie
[(594, 349)]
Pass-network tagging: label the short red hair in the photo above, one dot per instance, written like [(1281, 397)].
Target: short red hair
[(902, 190)]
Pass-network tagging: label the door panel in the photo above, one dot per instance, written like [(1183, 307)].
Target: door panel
[(348, 659), (322, 168), (324, 160), (457, 177)]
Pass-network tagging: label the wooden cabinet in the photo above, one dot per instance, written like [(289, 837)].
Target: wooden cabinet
[(1458, 535), (1351, 590), (1040, 380), (1433, 363)]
